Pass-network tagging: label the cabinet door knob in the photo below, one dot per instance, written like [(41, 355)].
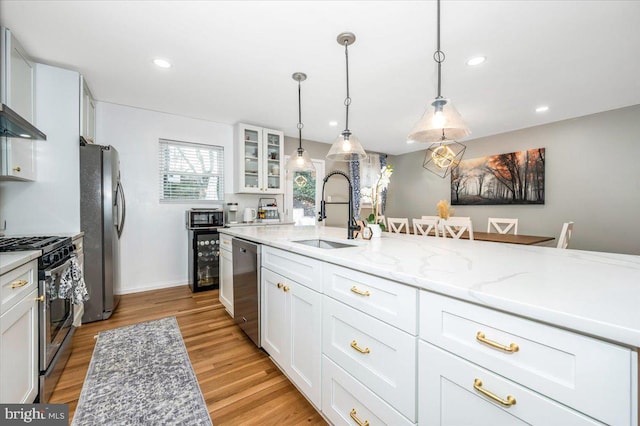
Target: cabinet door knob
[(280, 285), (285, 288), (477, 385), (482, 339), (40, 299), (17, 169)]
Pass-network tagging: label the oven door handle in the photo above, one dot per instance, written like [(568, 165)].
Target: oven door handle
[(56, 270)]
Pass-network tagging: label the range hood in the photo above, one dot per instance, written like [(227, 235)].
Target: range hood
[(14, 126)]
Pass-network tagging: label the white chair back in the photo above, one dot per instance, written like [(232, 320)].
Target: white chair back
[(565, 235), (503, 225), (426, 226), (398, 224), (455, 227), (431, 217)]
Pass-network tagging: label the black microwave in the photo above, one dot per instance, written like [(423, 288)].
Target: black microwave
[(205, 218)]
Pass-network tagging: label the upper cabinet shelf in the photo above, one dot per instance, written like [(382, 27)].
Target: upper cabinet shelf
[(259, 154)]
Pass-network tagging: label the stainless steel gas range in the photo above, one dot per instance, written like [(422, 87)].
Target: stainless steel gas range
[(55, 314)]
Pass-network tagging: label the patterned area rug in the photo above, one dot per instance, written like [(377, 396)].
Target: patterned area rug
[(141, 375)]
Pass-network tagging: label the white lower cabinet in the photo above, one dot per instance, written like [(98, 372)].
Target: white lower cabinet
[(291, 331), (346, 401), (19, 351), (380, 356), (226, 279), (453, 391)]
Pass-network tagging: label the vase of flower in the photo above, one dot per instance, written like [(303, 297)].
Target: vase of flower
[(381, 184)]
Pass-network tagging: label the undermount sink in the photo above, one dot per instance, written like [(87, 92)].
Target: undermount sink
[(324, 244)]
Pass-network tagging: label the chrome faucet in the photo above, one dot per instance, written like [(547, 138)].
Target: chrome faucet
[(352, 226)]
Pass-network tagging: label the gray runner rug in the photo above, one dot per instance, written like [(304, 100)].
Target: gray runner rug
[(141, 375)]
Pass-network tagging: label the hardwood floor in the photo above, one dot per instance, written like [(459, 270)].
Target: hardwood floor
[(240, 384)]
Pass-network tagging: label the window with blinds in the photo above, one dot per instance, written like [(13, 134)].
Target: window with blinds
[(191, 171)]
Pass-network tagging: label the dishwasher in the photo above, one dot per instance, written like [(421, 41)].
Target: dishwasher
[(246, 287)]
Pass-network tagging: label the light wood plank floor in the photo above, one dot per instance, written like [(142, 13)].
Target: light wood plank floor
[(240, 384)]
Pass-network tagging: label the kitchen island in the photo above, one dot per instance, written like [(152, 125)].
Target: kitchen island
[(573, 314)]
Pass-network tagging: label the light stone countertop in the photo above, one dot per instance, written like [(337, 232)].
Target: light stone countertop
[(13, 259), (593, 293)]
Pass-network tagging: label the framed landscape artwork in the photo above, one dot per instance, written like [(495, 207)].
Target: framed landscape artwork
[(513, 178)]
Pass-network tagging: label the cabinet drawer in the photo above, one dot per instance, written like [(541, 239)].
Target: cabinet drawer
[(380, 356), (389, 301), (225, 242), (589, 375), (448, 396), (17, 283), (344, 398), (301, 269)]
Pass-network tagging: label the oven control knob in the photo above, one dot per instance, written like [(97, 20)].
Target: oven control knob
[(54, 257)]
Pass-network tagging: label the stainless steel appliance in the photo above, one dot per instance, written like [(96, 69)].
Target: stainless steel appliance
[(102, 215), (246, 288), (204, 248), (55, 315)]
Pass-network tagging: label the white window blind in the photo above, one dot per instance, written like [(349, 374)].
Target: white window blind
[(191, 171)]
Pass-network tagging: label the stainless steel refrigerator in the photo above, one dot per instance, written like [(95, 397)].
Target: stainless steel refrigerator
[(102, 214)]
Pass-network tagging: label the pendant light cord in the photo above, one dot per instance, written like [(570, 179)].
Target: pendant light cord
[(438, 55), (347, 100), (300, 125)]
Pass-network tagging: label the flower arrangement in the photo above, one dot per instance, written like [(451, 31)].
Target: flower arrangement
[(444, 210), (381, 184)]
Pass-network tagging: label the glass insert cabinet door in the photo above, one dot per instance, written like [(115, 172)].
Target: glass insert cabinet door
[(273, 158), (260, 155)]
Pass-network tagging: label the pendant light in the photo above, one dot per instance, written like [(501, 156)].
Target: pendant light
[(299, 160), (346, 147), (440, 125)]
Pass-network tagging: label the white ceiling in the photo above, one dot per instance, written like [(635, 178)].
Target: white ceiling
[(233, 60)]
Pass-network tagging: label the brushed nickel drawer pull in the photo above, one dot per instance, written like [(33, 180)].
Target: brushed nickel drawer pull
[(482, 339), (19, 283), (355, 346), (360, 292), (355, 418), (477, 385)]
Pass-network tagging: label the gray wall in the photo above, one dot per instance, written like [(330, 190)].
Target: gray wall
[(592, 178)]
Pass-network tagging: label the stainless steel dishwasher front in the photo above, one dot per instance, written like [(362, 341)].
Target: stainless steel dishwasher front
[(246, 287)]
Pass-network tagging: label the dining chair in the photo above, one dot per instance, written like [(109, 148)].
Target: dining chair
[(425, 226), (431, 217), (398, 224), (503, 225), (455, 227), (565, 235)]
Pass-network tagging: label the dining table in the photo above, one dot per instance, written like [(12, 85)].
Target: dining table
[(503, 238)]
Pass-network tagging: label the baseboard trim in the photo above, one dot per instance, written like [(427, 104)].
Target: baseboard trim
[(150, 287)]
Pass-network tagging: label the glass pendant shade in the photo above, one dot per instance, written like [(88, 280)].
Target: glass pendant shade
[(346, 147), (443, 157), (299, 161), (440, 120)]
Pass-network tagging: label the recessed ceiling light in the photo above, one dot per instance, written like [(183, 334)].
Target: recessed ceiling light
[(162, 63), (476, 60), (333, 123), (24, 135), (542, 108)]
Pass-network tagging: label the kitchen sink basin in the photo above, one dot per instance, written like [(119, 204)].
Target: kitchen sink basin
[(324, 244)]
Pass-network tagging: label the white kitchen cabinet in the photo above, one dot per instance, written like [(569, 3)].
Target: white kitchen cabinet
[(291, 331), (18, 159), (87, 112), (453, 391), (19, 335), (225, 295), (259, 160), (557, 364), (17, 88)]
